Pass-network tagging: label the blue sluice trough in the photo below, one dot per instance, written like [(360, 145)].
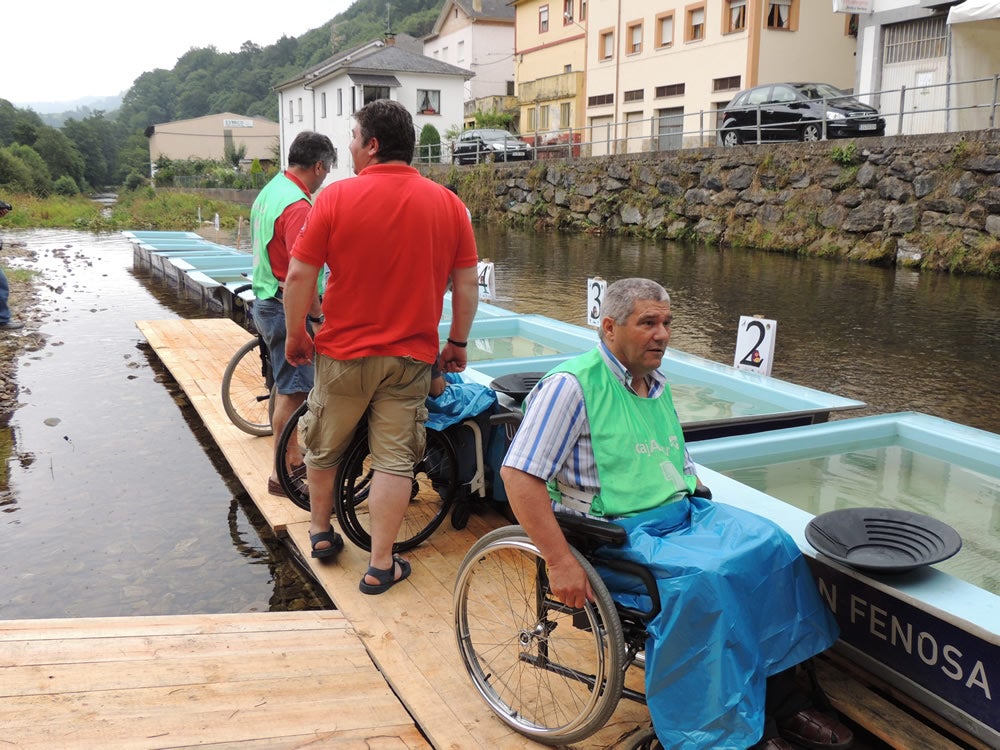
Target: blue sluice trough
[(932, 632)]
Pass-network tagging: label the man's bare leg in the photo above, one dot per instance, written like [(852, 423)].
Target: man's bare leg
[(321, 484), (387, 501), (284, 407)]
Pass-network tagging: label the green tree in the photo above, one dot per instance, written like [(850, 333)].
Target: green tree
[(60, 154), (15, 175), (41, 179), (430, 144)]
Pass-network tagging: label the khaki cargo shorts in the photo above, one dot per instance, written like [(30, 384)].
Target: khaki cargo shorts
[(392, 390)]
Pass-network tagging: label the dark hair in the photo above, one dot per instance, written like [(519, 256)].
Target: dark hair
[(391, 125), (310, 147)]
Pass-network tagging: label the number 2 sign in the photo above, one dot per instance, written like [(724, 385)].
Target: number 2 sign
[(755, 344)]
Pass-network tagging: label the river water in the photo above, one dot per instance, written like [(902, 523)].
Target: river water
[(115, 501)]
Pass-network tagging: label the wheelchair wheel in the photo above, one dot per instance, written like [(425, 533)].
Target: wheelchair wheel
[(292, 482), (552, 673), (246, 396), (435, 484)]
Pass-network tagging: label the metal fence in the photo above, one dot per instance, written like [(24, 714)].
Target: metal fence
[(936, 108)]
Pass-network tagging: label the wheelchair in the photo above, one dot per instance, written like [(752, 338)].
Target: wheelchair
[(441, 484), (549, 671)]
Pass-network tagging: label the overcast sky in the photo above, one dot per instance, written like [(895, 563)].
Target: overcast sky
[(61, 50)]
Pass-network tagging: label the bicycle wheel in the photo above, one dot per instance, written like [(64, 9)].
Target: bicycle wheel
[(435, 484), (292, 482), (246, 396), (550, 672)]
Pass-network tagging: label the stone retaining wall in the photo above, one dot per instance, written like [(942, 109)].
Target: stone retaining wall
[(931, 201)]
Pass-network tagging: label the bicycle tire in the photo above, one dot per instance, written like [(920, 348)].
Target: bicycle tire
[(550, 672), (246, 396), (434, 489), (293, 483)]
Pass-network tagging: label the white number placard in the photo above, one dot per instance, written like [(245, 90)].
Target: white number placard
[(596, 287), (487, 280), (755, 344)]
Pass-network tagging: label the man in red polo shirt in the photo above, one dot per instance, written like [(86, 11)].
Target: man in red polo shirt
[(392, 240)]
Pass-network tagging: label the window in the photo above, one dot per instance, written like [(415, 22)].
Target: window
[(291, 111), (428, 102), (600, 99), (851, 25), (923, 39), (444, 54), (354, 99), (671, 89), (782, 14), (322, 104), (460, 52), (543, 19), (729, 83), (510, 88), (606, 49), (583, 10), (736, 16), (568, 68), (564, 114), (664, 30), (567, 12), (695, 28), (543, 117), (634, 38), (635, 95), (532, 119), (300, 109), (340, 102), (373, 93)]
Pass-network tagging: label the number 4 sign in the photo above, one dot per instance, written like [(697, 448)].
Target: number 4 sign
[(487, 279), (755, 344)]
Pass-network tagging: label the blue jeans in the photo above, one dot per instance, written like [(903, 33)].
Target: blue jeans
[(4, 296), (269, 317)]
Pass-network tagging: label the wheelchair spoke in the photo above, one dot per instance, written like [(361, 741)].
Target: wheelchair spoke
[(552, 672)]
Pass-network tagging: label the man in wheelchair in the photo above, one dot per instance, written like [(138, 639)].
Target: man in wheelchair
[(740, 609)]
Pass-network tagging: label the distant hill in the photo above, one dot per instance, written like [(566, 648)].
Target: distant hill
[(56, 113)]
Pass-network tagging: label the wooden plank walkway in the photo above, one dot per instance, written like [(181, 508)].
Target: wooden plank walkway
[(381, 672), (408, 631), (274, 680)]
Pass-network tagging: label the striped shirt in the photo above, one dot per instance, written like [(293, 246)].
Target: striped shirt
[(553, 440)]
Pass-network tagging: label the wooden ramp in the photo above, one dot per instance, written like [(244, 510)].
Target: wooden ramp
[(408, 631), (267, 680)]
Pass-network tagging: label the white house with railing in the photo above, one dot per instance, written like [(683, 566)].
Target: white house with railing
[(324, 97)]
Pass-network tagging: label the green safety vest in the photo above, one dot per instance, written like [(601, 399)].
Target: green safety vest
[(638, 443), (276, 196)]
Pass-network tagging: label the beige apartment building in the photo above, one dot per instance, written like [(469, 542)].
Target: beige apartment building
[(550, 44), (657, 74)]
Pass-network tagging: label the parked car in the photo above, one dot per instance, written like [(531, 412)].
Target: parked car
[(796, 112), (489, 144)]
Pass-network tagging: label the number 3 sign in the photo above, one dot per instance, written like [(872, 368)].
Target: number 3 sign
[(596, 286), (755, 344)]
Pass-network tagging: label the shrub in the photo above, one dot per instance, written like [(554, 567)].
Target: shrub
[(134, 181), (66, 185), (430, 145)]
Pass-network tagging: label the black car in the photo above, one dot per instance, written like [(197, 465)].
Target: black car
[(796, 112), (489, 144)]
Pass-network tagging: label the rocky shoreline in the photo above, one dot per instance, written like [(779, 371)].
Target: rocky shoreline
[(25, 305)]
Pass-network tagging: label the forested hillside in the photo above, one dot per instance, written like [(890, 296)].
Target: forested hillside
[(105, 147)]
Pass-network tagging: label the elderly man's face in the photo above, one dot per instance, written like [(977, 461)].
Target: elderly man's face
[(641, 341)]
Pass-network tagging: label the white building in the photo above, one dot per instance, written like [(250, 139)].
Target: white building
[(479, 35), (325, 97), (915, 53)]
